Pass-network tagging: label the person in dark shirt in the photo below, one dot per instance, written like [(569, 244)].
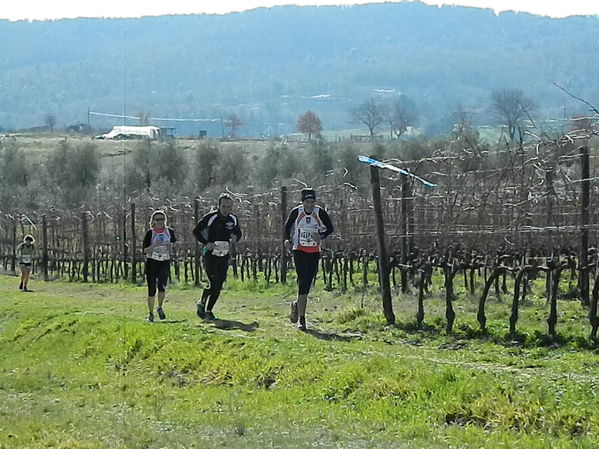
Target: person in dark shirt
[(217, 231), (157, 246), (305, 227)]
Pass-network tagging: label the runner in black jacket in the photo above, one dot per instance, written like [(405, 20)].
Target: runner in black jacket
[(217, 230)]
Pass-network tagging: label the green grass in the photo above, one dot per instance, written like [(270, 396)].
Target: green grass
[(80, 368)]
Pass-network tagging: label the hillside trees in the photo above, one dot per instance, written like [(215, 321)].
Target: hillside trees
[(320, 157), (401, 114), (369, 113), (50, 121), (37, 73), (13, 170), (351, 169), (73, 171), (233, 166), (155, 166), (290, 162), (512, 108), (308, 123), (139, 168), (463, 130), (233, 122), (84, 166), (269, 166), (206, 158), (171, 165), (144, 117)]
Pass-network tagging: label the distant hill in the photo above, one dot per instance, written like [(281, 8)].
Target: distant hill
[(269, 65)]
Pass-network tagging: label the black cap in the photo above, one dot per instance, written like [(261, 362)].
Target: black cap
[(308, 194)]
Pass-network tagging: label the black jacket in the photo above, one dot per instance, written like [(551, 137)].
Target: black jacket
[(215, 227)]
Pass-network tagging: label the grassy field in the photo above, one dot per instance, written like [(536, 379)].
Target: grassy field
[(81, 368)]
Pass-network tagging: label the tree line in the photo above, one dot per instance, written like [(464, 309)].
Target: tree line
[(345, 54)]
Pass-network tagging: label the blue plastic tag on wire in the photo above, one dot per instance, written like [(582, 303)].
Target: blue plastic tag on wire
[(379, 164)]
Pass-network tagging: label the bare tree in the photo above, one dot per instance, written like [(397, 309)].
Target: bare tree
[(234, 123), (464, 136), (144, 118), (370, 113), (50, 121), (309, 123), (401, 114), (512, 107)]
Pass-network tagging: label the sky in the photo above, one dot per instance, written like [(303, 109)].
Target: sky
[(57, 9)]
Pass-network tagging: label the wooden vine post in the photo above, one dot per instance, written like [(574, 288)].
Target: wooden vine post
[(45, 247), (283, 249), (584, 225), (124, 243), (382, 251), (196, 246), (13, 262), (405, 194), (133, 246), (85, 239)]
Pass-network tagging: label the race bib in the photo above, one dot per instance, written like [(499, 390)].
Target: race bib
[(306, 237), (160, 253), (26, 258), (221, 248)]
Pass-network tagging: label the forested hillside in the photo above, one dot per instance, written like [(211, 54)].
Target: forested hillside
[(269, 65)]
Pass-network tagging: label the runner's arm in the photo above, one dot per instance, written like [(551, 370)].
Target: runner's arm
[(147, 243), (289, 223), (326, 221), (237, 230), (198, 231)]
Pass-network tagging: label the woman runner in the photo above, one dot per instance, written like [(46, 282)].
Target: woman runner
[(157, 245)]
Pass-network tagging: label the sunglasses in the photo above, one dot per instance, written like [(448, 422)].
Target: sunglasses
[(158, 218)]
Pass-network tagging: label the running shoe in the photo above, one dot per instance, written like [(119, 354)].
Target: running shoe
[(21, 286), (201, 311), (151, 317), (210, 315), (302, 324), (294, 313), (161, 313)]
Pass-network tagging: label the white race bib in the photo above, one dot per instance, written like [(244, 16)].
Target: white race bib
[(306, 237), (26, 258), (221, 248), (160, 253)]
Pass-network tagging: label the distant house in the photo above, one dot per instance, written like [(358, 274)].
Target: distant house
[(132, 132)]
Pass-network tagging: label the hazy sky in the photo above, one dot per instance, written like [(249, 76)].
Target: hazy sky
[(55, 9)]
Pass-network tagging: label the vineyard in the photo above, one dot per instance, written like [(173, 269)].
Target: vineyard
[(498, 218)]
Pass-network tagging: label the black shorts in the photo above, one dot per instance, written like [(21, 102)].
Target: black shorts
[(216, 269), (306, 267), (157, 274)]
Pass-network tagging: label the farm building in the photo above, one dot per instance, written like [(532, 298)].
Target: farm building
[(132, 132)]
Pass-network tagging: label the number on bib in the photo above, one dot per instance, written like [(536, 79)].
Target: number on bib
[(221, 248), (306, 237)]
